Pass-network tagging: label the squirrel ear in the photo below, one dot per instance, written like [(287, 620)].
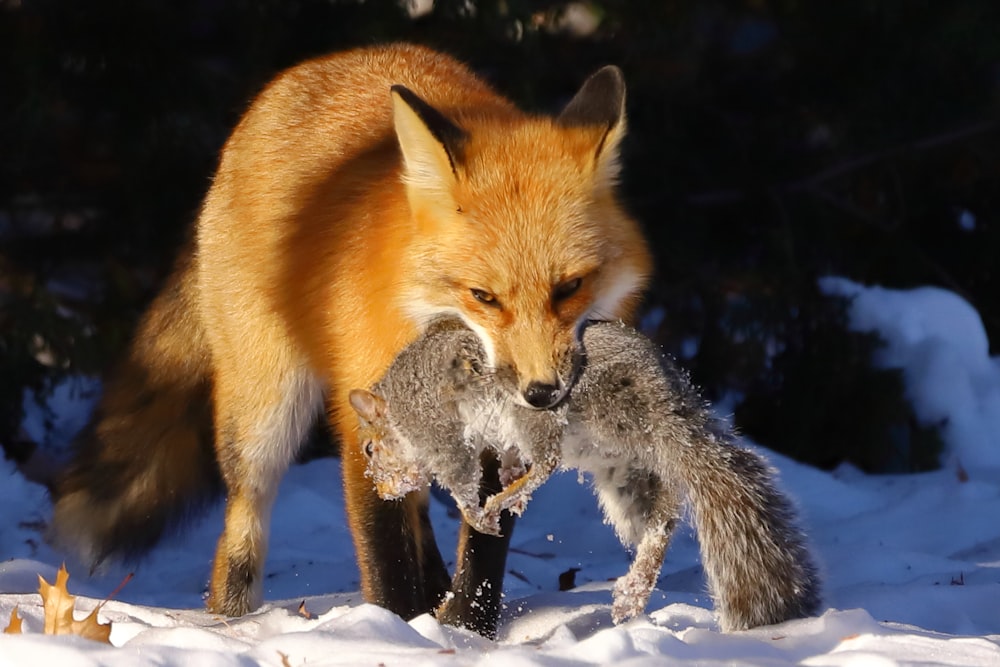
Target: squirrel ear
[(368, 406), (600, 104), (431, 144)]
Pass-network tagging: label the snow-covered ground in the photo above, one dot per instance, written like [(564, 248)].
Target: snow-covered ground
[(911, 563)]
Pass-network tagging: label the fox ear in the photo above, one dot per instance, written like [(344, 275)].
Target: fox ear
[(600, 104), (368, 406), (431, 144)]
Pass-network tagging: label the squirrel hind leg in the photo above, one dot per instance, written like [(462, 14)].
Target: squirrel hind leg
[(632, 590)]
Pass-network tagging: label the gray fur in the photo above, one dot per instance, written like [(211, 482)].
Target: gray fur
[(635, 423)]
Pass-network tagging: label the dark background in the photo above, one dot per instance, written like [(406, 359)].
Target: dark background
[(770, 143)]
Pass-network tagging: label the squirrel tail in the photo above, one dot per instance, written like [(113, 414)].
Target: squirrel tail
[(756, 559)]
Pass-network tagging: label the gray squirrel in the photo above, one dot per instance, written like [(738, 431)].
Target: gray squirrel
[(635, 423)]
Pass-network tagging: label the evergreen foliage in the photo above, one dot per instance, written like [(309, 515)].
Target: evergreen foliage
[(771, 142)]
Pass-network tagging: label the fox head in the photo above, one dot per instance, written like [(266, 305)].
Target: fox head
[(518, 231)]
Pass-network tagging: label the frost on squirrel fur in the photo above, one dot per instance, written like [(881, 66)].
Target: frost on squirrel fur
[(635, 423)]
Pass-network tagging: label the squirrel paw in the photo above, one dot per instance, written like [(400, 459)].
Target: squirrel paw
[(518, 506), (512, 473), (483, 521), (629, 599)]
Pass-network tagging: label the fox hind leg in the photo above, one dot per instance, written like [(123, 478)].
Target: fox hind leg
[(259, 428)]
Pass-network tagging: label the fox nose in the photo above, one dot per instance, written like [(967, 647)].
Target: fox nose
[(541, 395)]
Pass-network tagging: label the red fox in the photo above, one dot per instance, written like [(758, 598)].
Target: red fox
[(360, 196), (635, 423)]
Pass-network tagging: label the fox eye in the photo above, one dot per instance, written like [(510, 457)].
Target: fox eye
[(567, 289), (482, 296), (369, 448)]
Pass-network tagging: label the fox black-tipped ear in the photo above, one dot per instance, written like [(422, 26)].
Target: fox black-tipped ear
[(368, 406), (600, 100), (600, 104), (431, 144)]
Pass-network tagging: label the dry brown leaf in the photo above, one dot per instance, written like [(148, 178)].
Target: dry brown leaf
[(14, 627), (58, 606)]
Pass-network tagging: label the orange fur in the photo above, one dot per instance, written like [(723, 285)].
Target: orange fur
[(344, 217)]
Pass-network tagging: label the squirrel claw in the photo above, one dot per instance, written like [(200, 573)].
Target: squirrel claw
[(482, 521)]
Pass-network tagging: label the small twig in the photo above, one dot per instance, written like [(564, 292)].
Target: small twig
[(813, 184), (842, 205), (112, 594), (544, 555), (853, 164)]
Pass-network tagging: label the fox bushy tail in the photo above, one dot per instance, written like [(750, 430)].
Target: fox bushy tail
[(756, 559), (145, 460)]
